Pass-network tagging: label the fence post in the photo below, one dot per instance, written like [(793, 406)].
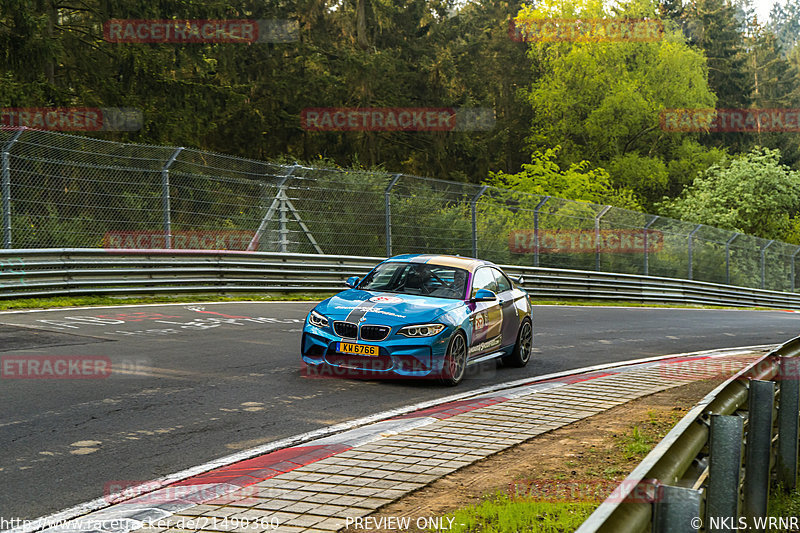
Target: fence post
[(759, 446), (675, 509), (597, 236), (763, 264), (388, 213), (475, 220), (793, 269), (536, 229), (165, 209), (724, 469), (646, 250), (690, 249), (6, 186), (728, 258), (788, 422), (794, 255)]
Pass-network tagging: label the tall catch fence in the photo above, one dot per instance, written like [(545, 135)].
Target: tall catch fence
[(67, 191)]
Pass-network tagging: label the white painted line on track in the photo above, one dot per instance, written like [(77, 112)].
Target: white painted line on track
[(102, 502), (164, 304), (168, 304), (668, 308)]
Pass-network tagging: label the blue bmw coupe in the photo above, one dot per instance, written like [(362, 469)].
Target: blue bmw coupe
[(421, 316)]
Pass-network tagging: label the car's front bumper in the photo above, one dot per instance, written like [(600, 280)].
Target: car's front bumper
[(398, 356)]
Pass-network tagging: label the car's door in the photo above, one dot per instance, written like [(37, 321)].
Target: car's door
[(508, 306), (486, 319)]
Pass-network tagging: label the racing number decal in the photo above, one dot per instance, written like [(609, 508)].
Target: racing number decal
[(480, 321), (487, 328)]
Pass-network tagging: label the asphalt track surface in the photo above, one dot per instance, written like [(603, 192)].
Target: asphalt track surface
[(191, 383)]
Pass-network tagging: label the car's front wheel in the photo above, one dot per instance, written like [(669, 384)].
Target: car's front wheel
[(522, 350), (455, 360)]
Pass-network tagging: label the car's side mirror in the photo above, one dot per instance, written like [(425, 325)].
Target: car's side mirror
[(484, 295), (520, 280), (352, 281)]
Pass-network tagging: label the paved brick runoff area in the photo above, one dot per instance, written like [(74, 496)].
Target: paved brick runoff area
[(317, 486)]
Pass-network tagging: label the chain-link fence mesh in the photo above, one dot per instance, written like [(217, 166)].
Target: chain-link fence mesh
[(69, 191)]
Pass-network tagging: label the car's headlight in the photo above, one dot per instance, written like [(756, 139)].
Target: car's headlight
[(423, 330), (317, 319)]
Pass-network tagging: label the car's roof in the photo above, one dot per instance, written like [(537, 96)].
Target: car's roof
[(467, 263)]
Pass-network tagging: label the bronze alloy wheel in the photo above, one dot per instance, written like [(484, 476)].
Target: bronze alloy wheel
[(455, 361), (522, 350)]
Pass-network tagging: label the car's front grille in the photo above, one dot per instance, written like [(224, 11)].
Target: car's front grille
[(374, 333), (346, 329)]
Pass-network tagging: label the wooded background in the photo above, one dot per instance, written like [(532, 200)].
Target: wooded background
[(573, 120)]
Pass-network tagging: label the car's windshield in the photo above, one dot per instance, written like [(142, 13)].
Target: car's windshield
[(417, 278)]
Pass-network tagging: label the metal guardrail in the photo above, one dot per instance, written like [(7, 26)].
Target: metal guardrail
[(84, 271), (713, 471), (73, 191), (79, 271)]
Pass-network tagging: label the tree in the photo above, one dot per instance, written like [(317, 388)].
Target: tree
[(752, 193), (784, 21), (246, 99), (715, 28), (601, 101), (774, 78), (544, 177)]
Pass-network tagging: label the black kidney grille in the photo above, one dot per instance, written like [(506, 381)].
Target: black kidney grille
[(374, 333), (346, 329)]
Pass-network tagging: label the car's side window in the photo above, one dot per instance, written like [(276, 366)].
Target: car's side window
[(484, 279), (503, 283)]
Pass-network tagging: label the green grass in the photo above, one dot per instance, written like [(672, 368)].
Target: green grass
[(558, 512), (623, 303), (79, 301), (782, 503), (501, 514), (643, 437), (637, 444)]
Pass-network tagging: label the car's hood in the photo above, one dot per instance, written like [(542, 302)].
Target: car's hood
[(385, 308)]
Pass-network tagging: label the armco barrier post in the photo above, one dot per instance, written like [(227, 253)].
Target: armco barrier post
[(536, 229), (6, 187), (387, 210), (473, 209), (788, 422), (165, 209), (675, 508), (759, 445), (724, 469)]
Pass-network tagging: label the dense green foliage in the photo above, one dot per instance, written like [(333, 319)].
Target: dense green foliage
[(573, 119), (753, 193)]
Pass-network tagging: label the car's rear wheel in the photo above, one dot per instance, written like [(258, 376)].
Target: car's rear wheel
[(522, 350), (455, 360)]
